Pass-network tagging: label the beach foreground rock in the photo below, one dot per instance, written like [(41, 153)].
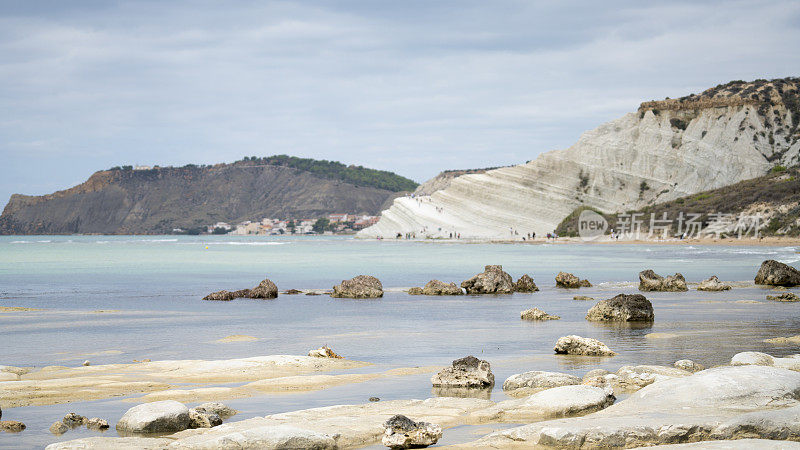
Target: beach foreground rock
[(651, 281), (167, 416), (570, 281), (402, 432), (622, 308), (719, 403), (493, 280), (361, 286), (577, 345), (774, 273), (467, 372)]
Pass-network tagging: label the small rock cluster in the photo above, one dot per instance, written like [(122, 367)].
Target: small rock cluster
[(650, 281), (74, 420), (169, 416), (784, 297)]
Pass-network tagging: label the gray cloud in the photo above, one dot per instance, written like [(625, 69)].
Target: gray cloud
[(414, 87)]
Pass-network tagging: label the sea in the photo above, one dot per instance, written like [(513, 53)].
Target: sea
[(116, 299)]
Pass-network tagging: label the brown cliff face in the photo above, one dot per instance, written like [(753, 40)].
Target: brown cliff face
[(156, 201)]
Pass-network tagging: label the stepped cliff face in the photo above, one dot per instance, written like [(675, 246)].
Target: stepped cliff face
[(665, 150), (158, 200)]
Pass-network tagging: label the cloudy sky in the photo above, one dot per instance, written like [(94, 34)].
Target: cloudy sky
[(410, 86)]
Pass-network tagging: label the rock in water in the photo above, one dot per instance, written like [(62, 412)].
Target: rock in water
[(402, 432), (220, 296), (58, 428), (530, 382), (73, 420), (436, 287), (96, 423), (362, 286), (415, 291), (776, 273), (200, 418), (525, 284), (293, 292), (688, 365), (11, 426), (582, 297), (492, 281), (622, 308), (167, 416), (537, 314), (324, 352), (467, 372), (785, 297), (570, 281), (265, 289), (577, 345), (650, 281), (713, 284), (222, 410)]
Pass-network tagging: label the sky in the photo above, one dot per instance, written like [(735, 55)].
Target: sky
[(412, 86)]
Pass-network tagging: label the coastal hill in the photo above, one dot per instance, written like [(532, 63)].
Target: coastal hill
[(775, 198), (128, 200), (663, 151)]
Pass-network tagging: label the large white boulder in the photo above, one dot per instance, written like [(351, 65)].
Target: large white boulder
[(167, 416)]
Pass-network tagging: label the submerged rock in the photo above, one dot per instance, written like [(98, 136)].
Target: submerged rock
[(467, 372), (493, 280), (784, 297), (713, 284), (762, 359), (166, 416), (688, 365), (436, 287), (58, 428), (622, 308), (525, 284), (73, 420), (220, 296), (651, 281), (570, 281), (776, 273), (537, 314), (402, 432), (582, 297), (292, 292), (633, 378), (361, 286), (577, 345), (530, 382), (265, 290), (324, 352)]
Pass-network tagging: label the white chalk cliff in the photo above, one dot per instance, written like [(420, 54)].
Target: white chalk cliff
[(667, 149)]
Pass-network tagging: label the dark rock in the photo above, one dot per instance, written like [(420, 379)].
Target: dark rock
[(362, 286), (220, 295), (292, 292), (73, 420), (266, 289), (11, 426), (96, 423), (374, 399), (525, 284), (200, 418), (570, 281), (58, 428), (622, 308), (776, 273), (402, 432), (492, 281), (650, 281)]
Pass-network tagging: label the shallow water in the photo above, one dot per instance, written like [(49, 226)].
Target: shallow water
[(149, 290)]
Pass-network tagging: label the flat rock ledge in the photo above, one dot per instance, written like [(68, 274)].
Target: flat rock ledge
[(577, 345), (527, 383), (537, 315), (569, 281), (650, 281), (784, 297), (467, 372), (622, 308), (361, 286), (774, 273), (722, 403), (493, 280)]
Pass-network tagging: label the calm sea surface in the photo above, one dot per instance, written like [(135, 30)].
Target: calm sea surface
[(153, 287)]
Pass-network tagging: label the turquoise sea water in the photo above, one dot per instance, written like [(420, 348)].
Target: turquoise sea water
[(151, 289)]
